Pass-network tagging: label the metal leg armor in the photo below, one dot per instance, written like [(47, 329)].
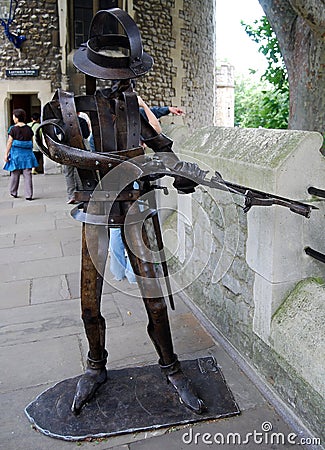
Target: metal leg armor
[(158, 325), (94, 323)]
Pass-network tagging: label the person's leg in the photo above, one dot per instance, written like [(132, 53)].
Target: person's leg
[(14, 182), (117, 263), (39, 158), (78, 183), (129, 273), (69, 173), (28, 183)]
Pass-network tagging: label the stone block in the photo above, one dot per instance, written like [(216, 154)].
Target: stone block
[(297, 332), (15, 294), (49, 289), (41, 362)]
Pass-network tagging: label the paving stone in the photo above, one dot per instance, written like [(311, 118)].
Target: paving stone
[(202, 435), (25, 253), (71, 246), (28, 217), (7, 240), (6, 221), (39, 362), (35, 236), (43, 268), (49, 289), (48, 224), (40, 322), (15, 294), (22, 211)]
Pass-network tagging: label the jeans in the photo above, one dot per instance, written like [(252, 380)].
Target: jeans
[(120, 265)]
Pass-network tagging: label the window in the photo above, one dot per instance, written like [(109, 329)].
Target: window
[(83, 11)]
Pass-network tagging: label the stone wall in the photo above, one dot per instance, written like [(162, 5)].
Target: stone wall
[(181, 39), (38, 21), (249, 274)]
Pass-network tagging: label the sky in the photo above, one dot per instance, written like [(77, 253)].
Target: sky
[(233, 44)]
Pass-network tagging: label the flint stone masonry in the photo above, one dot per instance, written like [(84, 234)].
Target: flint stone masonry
[(38, 21), (180, 38), (242, 270)]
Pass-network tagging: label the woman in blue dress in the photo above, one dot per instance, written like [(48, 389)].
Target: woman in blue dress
[(19, 156)]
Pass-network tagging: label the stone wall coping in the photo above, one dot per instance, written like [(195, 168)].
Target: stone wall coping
[(258, 146), (260, 158)]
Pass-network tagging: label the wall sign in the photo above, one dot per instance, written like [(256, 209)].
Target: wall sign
[(22, 72)]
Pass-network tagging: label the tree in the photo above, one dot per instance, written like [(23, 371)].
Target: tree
[(258, 104), (265, 104), (276, 72), (300, 29)]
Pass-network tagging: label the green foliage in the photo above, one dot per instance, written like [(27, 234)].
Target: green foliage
[(265, 103), (258, 105), (262, 34)]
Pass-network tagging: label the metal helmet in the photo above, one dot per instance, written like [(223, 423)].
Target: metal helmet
[(103, 56)]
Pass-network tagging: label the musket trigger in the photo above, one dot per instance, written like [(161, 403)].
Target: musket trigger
[(248, 201), (248, 205)]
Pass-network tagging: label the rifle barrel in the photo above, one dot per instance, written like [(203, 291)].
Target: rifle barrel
[(260, 198)]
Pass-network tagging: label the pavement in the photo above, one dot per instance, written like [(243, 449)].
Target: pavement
[(42, 338)]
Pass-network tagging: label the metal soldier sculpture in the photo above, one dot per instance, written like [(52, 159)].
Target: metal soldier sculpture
[(117, 129), (108, 200)]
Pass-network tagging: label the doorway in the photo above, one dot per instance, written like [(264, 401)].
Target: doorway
[(28, 102)]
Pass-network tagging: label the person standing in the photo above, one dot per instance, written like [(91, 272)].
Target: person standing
[(34, 124), (19, 156), (72, 179)]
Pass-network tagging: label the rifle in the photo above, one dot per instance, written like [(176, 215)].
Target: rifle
[(197, 176)]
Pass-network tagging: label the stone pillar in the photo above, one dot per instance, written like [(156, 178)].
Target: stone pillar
[(225, 96)]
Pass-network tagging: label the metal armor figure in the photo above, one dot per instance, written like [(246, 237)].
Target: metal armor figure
[(118, 128)]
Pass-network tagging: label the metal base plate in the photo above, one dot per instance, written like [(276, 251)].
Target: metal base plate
[(133, 399)]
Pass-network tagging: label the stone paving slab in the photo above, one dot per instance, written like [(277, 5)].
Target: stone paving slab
[(41, 268), (35, 236), (42, 250), (212, 434), (7, 240), (49, 289), (35, 363), (15, 294), (24, 209), (7, 221)]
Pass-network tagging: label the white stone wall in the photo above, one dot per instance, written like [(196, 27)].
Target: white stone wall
[(243, 270)]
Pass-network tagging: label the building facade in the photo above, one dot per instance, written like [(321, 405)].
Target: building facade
[(225, 95), (177, 34)]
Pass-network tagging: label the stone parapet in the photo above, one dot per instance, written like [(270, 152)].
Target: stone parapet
[(242, 270)]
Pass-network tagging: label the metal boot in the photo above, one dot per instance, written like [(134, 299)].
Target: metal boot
[(94, 376), (183, 386)]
